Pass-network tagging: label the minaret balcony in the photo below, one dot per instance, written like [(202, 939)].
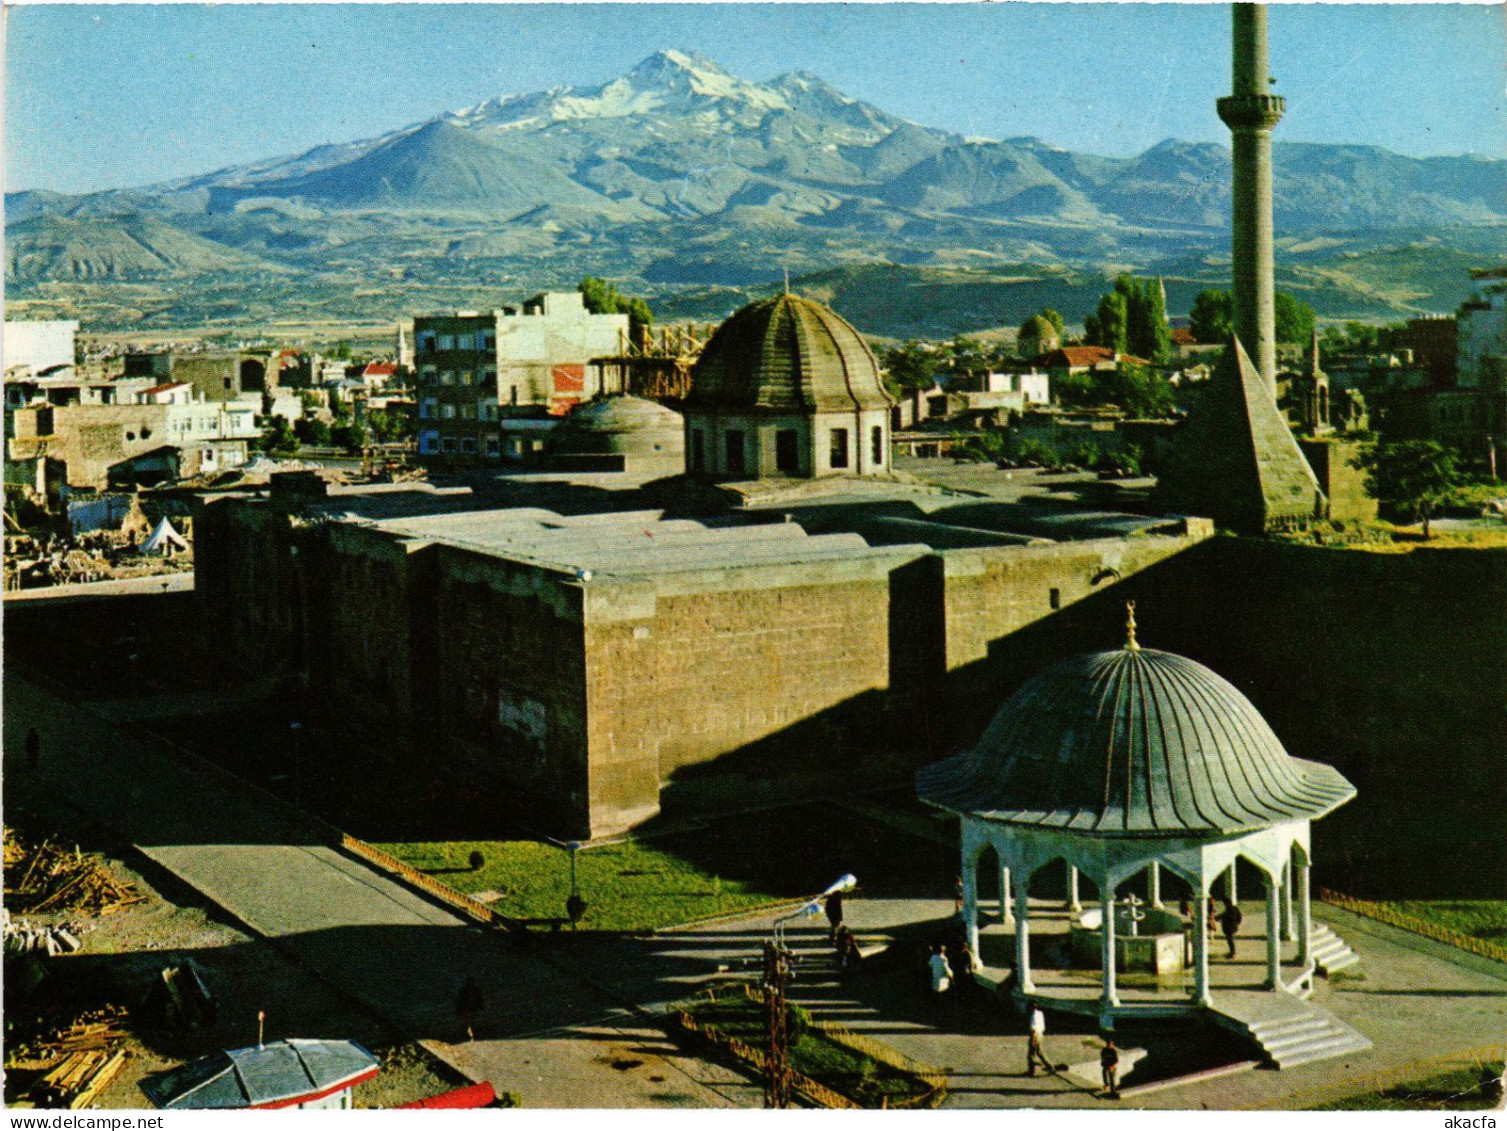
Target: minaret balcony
[(1251, 111)]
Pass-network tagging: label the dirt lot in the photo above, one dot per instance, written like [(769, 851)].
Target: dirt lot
[(121, 958)]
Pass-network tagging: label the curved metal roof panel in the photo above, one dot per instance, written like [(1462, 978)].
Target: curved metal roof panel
[(1132, 743)]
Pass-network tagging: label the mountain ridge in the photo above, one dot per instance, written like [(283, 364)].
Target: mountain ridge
[(681, 174)]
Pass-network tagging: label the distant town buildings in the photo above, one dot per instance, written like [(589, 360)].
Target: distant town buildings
[(473, 369)]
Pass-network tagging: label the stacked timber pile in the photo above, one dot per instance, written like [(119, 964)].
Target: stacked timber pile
[(74, 1064), (47, 878)]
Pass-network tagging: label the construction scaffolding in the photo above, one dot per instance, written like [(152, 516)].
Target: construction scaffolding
[(657, 367)]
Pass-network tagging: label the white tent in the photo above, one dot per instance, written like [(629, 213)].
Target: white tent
[(164, 540)]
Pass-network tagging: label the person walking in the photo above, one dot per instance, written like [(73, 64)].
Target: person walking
[(1109, 1067), (941, 972), (33, 748), (1229, 922), (1034, 1053), (834, 912), (469, 1002)]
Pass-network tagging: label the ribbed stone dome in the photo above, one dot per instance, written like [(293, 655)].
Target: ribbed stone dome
[(786, 354), (1136, 743), (620, 424)]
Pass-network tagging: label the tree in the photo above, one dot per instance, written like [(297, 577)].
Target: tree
[(1141, 392), (1055, 319), (1107, 326), (1132, 318), (1214, 320), (277, 437), (1411, 476), (312, 431), (910, 367), (601, 297), (1295, 318), (1212, 316)]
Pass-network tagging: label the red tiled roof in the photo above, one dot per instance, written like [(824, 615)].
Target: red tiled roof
[(1182, 336), (164, 388), (380, 369)]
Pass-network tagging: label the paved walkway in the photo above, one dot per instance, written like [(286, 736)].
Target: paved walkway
[(1415, 1001), (553, 1037)]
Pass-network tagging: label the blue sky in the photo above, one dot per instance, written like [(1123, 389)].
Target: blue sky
[(104, 96)]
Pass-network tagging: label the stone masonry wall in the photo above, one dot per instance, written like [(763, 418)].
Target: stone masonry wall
[(679, 679)]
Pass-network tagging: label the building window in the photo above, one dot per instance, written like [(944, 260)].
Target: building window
[(468, 445), (876, 446), (735, 458), (427, 374), (447, 341), (494, 447), (698, 450), (447, 444), (447, 412), (486, 340), (227, 382), (464, 342), (513, 395), (468, 412), (839, 447), (427, 443), (787, 456), (1055, 597), (447, 378), (425, 341)]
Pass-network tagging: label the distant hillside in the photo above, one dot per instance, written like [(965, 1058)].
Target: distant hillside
[(110, 247), (679, 176)]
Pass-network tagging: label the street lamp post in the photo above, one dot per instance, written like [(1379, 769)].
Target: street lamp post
[(777, 964)]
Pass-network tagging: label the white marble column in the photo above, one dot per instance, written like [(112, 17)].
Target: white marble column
[(1231, 890), (1305, 917), (1023, 940), (1004, 895), (1273, 933), (1289, 928), (971, 903), (1073, 903), (1201, 949), (1155, 884), (1107, 925)]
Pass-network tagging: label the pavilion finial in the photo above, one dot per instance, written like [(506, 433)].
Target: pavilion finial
[(1130, 641)]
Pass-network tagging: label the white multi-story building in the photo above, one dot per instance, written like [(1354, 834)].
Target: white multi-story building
[(472, 369), (1482, 329)]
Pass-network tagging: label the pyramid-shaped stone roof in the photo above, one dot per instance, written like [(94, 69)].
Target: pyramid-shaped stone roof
[(1236, 460)]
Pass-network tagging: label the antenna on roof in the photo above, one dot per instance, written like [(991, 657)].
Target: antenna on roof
[(1130, 642), (261, 1026)]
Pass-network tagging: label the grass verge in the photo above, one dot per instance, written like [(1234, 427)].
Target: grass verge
[(1468, 1088), (1479, 918), (865, 1080)]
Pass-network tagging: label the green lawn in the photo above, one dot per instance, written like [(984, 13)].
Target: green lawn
[(731, 863), (1462, 1089), (1480, 918), (846, 1071), (627, 886)]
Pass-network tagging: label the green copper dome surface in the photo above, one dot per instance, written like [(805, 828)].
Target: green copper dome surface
[(1132, 743), (786, 354)]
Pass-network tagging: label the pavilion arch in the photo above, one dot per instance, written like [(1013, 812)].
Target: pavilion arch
[(1085, 763)]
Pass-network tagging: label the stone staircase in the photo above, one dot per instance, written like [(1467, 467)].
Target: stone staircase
[(1331, 954), (1292, 1041)]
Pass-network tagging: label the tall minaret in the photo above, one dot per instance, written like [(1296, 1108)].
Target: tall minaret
[(1251, 111)]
